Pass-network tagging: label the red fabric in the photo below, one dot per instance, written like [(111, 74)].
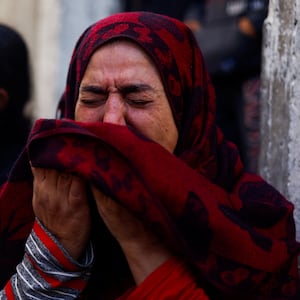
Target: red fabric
[(235, 230), (77, 284), (53, 248), (63, 261), (170, 281), (9, 291)]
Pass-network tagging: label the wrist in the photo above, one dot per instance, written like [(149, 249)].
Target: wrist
[(59, 254), (143, 259)]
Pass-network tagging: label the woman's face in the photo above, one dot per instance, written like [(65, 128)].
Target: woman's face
[(122, 86)]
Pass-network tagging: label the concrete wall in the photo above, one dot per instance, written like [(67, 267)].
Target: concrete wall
[(280, 106)]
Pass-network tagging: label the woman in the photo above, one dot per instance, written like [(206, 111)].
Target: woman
[(138, 166)]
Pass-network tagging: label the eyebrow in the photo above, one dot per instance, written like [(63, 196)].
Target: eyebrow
[(92, 89), (126, 89)]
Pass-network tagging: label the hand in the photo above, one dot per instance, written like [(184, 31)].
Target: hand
[(143, 250), (60, 203)]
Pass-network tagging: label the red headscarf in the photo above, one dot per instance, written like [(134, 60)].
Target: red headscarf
[(172, 47), (235, 231)]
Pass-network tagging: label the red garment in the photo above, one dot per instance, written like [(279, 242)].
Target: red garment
[(169, 281), (47, 270), (235, 230)]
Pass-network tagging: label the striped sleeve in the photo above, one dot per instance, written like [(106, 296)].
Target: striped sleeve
[(47, 270)]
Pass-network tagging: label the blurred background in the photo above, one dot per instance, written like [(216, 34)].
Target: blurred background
[(51, 29)]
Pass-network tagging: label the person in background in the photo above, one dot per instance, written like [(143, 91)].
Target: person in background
[(134, 193), (172, 8), (229, 33), (15, 92)]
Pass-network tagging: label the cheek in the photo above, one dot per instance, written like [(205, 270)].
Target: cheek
[(166, 132), (168, 136), (86, 115), (158, 129)]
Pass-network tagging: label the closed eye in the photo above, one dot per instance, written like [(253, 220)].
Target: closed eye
[(92, 95), (138, 102), (93, 102)]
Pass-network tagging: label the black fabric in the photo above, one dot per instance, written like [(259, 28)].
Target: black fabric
[(172, 8), (225, 48)]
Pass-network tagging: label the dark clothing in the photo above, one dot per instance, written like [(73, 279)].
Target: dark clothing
[(225, 48), (14, 130), (15, 82), (172, 8), (9, 154), (232, 58)]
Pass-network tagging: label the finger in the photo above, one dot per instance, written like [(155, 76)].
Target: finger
[(46, 176), (120, 222), (38, 173), (77, 191), (106, 206), (46, 195), (63, 185)]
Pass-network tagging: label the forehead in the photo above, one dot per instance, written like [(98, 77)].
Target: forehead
[(122, 59), (123, 49)]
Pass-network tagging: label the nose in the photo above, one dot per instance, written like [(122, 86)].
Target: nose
[(114, 110)]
